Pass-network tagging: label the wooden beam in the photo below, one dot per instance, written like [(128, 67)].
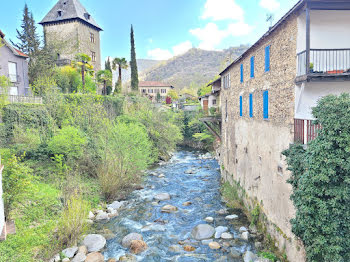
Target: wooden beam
[(212, 130)]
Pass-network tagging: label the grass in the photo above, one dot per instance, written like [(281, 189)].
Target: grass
[(230, 195)]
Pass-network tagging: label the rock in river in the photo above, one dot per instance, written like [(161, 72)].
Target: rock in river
[(231, 217), (126, 242), (226, 236), (94, 242), (209, 219), (219, 230), (95, 257), (249, 257), (214, 245), (128, 258), (245, 236), (203, 231), (138, 246), (162, 197), (169, 209), (70, 252), (80, 257)]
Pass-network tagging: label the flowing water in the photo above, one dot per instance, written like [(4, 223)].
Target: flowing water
[(162, 230)]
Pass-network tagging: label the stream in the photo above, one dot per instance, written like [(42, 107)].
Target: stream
[(187, 178)]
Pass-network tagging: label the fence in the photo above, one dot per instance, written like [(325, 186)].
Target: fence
[(305, 130), (25, 99)]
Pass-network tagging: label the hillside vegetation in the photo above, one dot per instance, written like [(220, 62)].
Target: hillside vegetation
[(194, 68)]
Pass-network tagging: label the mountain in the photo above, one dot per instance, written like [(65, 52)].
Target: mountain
[(194, 68)]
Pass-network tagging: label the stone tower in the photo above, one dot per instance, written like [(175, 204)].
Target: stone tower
[(72, 30)]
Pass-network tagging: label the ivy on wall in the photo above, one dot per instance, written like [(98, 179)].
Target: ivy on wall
[(321, 184)]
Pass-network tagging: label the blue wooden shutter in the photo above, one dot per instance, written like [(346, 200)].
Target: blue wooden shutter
[(267, 58), (266, 104), (251, 105), (252, 67), (240, 106), (242, 73)]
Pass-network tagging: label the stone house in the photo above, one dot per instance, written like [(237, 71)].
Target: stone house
[(212, 99), (266, 105), (71, 29), (150, 89), (14, 65)]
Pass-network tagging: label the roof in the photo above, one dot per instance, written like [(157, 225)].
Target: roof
[(214, 82), (2, 35), (153, 84), (20, 53), (297, 7), (70, 9)]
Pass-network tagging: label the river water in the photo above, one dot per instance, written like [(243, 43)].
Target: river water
[(162, 230)]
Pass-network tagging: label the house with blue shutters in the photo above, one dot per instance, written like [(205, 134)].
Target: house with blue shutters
[(268, 104)]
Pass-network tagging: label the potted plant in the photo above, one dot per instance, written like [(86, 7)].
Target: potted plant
[(311, 67)]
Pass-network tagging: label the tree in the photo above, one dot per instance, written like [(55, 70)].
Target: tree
[(321, 184), (104, 77), (122, 64), (173, 95), (133, 63), (158, 97), (108, 65), (29, 41), (83, 63)]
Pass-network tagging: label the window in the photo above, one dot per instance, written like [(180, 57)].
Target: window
[(150, 91), (59, 13), (92, 38), (143, 91), (227, 81), (214, 102), (93, 56), (242, 71), (267, 58), (266, 104), (252, 67), (240, 106), (251, 105), (163, 91), (12, 72)]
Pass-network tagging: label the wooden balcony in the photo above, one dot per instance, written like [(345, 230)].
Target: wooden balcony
[(323, 65), (305, 130)]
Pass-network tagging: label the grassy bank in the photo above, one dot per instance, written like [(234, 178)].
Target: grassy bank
[(60, 159)]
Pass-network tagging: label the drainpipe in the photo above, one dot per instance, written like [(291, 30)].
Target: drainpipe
[(308, 44)]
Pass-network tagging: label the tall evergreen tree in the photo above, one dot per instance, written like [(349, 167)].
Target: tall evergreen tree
[(133, 63), (108, 65), (29, 41)]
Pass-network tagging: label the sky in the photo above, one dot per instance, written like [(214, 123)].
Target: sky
[(163, 28)]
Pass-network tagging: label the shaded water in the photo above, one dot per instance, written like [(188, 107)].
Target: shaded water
[(201, 188)]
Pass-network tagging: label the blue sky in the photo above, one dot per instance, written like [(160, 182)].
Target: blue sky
[(163, 28)]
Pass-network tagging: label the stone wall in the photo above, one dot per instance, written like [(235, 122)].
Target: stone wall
[(72, 37), (2, 215), (251, 148)]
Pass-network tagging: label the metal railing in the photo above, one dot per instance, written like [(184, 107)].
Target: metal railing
[(305, 130), (325, 62), (63, 62), (25, 99)]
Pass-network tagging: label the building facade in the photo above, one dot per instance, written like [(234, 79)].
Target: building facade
[(151, 89), (270, 92), (71, 30), (212, 99), (14, 65)]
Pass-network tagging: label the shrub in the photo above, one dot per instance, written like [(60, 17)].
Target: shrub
[(17, 181), (127, 151), (213, 111), (68, 142), (73, 221), (321, 183)]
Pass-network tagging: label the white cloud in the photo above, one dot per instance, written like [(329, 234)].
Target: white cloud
[(222, 10), (211, 36), (271, 5), (164, 54), (159, 54), (182, 48)]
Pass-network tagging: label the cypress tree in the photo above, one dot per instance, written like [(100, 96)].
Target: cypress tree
[(133, 63), (108, 65), (28, 38)]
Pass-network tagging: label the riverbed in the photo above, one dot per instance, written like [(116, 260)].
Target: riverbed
[(194, 186)]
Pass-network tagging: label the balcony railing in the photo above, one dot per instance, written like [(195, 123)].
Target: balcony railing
[(305, 130), (325, 62), (25, 99)]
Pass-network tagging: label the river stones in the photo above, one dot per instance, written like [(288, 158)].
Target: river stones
[(83, 250), (209, 219), (117, 204), (101, 215), (95, 257), (234, 253), (169, 209), (70, 252), (222, 211), (243, 229), (94, 242), (91, 215), (245, 236), (128, 258), (138, 246), (226, 236), (206, 241), (231, 217), (186, 204), (249, 256), (189, 248), (219, 230), (162, 197), (203, 231), (126, 242), (80, 257), (214, 245), (175, 248)]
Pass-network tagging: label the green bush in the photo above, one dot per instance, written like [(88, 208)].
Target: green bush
[(321, 183), (69, 142)]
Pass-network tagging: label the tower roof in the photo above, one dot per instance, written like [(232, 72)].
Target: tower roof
[(67, 10)]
